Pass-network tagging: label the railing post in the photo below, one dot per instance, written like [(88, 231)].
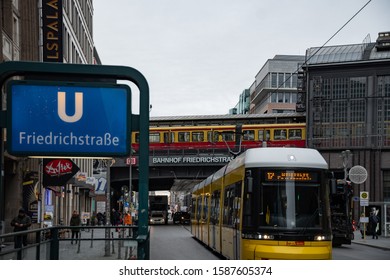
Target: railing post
[(38, 242), (54, 244)]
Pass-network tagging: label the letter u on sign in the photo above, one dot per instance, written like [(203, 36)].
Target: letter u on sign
[(62, 107)]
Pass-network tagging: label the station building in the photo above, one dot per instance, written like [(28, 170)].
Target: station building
[(346, 96)]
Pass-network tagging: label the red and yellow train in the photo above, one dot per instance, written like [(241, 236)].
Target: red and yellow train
[(223, 136)]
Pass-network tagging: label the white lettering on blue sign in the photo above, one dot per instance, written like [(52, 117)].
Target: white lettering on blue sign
[(68, 139)]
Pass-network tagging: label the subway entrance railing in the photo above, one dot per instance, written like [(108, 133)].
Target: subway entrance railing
[(93, 243)]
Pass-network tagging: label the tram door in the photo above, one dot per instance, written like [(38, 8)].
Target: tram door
[(236, 221), (214, 220)]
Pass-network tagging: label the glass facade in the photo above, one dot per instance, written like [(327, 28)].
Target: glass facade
[(340, 111)]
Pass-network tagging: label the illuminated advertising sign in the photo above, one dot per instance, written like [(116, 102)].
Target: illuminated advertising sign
[(68, 119)]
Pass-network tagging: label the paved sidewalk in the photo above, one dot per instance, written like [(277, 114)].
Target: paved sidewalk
[(382, 242)]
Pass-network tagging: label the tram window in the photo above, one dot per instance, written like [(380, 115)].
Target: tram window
[(228, 135), (280, 134), (205, 207), (137, 137), (183, 137), (198, 207), (249, 135), (154, 137), (197, 136), (214, 210), (295, 134), (231, 204)]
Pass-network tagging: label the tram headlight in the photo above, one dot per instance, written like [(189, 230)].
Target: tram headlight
[(320, 238), (257, 236)]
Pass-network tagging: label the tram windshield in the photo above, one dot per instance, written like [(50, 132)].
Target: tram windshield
[(284, 200), (289, 205)]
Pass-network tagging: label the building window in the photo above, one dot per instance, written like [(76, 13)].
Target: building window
[(294, 80), (274, 96), (274, 83), (281, 80), (340, 111), (358, 87), (287, 98), (340, 88)]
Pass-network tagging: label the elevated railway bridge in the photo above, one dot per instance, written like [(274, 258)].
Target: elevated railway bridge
[(185, 150)]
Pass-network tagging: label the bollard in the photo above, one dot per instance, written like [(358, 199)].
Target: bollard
[(113, 245), (78, 243), (91, 239)]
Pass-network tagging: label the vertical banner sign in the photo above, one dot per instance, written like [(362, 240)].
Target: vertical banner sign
[(52, 30)]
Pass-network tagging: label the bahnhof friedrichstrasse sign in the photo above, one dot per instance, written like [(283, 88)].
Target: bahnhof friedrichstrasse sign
[(68, 119)]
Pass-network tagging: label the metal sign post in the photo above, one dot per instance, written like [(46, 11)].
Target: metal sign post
[(364, 201)]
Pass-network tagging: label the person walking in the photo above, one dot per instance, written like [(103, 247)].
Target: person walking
[(75, 221), (373, 222), (21, 223), (114, 217)]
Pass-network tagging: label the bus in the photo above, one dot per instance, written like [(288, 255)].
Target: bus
[(267, 203)]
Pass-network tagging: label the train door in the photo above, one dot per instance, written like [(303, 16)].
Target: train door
[(168, 137), (264, 135)]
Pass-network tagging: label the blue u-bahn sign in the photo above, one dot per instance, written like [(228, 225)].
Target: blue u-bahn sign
[(68, 119)]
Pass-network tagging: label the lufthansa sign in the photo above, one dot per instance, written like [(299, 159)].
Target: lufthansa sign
[(74, 119)]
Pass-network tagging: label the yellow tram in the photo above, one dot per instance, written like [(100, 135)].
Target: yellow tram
[(268, 203)]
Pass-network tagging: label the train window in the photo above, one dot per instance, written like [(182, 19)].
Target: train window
[(264, 135), (228, 135), (280, 134), (197, 136), (169, 137), (154, 137), (249, 135), (183, 137), (212, 136), (295, 134)]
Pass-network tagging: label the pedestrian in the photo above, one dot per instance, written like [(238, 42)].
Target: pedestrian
[(94, 220), (373, 222), (21, 223), (127, 219), (75, 221), (100, 218), (114, 217)]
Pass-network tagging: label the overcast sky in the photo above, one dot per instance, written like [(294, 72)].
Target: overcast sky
[(199, 55)]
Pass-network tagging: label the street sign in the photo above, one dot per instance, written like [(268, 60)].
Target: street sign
[(364, 198), (68, 119)]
